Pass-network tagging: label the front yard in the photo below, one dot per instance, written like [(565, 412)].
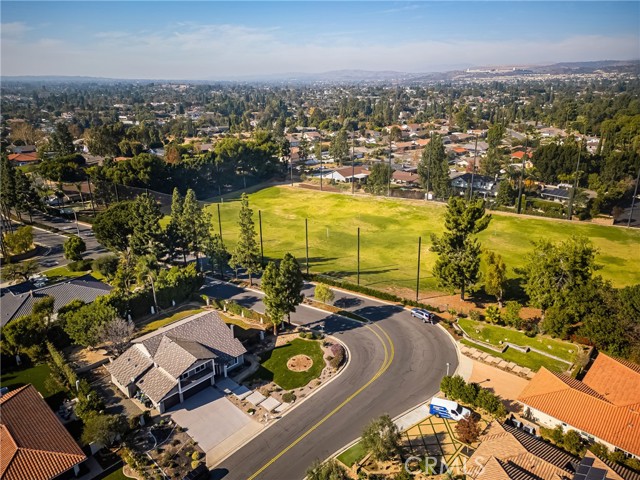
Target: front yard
[(274, 365)]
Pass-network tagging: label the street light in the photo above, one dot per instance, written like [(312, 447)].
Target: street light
[(447, 369), (76, 217)]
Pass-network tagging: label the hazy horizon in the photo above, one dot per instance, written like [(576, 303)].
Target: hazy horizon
[(223, 40)]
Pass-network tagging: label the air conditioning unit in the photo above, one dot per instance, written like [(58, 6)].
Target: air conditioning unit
[(516, 423), (529, 429)]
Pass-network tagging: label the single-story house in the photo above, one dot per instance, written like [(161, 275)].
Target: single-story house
[(482, 184), (177, 361), (34, 444), (21, 159), (17, 300), (405, 178), (24, 149), (556, 194), (603, 407), (348, 174), (506, 452)]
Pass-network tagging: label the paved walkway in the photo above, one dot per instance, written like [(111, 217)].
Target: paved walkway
[(503, 383)]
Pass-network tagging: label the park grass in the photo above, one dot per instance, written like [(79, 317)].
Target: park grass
[(36, 375), (389, 231), (530, 360), (166, 320), (494, 334), (353, 454), (274, 367)]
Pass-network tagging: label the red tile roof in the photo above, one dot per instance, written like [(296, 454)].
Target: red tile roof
[(519, 155), (581, 406), (23, 157), (33, 442)]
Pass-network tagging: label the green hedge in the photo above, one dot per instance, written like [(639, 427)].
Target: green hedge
[(63, 367), (372, 292), (237, 309)]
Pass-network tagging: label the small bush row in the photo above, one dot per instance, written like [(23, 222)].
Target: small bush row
[(372, 292), (457, 389), (235, 308)]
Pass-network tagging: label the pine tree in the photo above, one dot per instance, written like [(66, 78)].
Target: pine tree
[(245, 254), (274, 295), (495, 276), (434, 169), (458, 263), (292, 284), (175, 235), (194, 223), (147, 232), (217, 253)]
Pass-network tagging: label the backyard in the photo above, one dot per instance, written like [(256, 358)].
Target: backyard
[(37, 376), (156, 323), (274, 366), (389, 231)]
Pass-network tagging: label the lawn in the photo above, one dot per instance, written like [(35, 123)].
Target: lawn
[(493, 334), (530, 360), (58, 274), (166, 320), (117, 475), (352, 455), (389, 231), (37, 376), (274, 367)]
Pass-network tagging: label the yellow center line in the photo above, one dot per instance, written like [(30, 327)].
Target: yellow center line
[(388, 358)]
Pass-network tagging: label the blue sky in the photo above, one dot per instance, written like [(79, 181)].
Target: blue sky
[(207, 40)]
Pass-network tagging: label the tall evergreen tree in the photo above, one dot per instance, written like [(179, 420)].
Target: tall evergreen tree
[(245, 255), (339, 147), (176, 241), (292, 284), (194, 223), (274, 295), (458, 263), (217, 253), (495, 276), (146, 231), (434, 169)]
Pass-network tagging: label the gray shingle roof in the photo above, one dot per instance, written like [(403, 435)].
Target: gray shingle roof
[(205, 328), (130, 365), (176, 359), (18, 300), (156, 384)]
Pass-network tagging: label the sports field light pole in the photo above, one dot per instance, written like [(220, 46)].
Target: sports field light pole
[(306, 236), (358, 255), (633, 199), (575, 180), (389, 183), (418, 279), (219, 222), (261, 245)]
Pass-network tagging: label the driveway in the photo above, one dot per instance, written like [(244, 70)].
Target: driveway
[(209, 418)]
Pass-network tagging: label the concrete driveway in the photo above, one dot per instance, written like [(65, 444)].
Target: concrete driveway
[(209, 418)]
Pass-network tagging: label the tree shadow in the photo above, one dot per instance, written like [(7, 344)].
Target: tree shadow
[(515, 289), (347, 302), (377, 313)]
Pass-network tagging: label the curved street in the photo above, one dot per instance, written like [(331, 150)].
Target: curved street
[(396, 362)]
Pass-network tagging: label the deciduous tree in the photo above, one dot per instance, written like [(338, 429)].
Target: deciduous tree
[(74, 247), (323, 293), (382, 438), (495, 277)]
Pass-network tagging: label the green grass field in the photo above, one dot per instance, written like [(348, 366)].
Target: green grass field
[(494, 334), (352, 455), (389, 231), (37, 376), (275, 367), (161, 322), (530, 360)]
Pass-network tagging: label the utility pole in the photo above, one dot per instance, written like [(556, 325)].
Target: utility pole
[(93, 207), (633, 199), (429, 162), (261, 245), (520, 185), (473, 168), (306, 236), (320, 172), (389, 183), (291, 169), (418, 277), (219, 222), (358, 255), (575, 180), (353, 165)]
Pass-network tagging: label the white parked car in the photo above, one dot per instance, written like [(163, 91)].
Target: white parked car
[(424, 315)]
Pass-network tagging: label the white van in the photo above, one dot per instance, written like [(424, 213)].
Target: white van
[(447, 409)]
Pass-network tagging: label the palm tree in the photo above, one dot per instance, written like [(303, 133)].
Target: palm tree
[(146, 270)]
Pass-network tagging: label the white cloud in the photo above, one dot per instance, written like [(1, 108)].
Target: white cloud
[(13, 29), (188, 50)]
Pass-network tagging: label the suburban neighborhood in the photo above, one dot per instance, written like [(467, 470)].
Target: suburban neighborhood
[(321, 241)]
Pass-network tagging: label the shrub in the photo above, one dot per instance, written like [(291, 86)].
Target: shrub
[(195, 455), (468, 429), (511, 314), (80, 265), (492, 313), (338, 354), (106, 265), (289, 397), (474, 315), (194, 464)]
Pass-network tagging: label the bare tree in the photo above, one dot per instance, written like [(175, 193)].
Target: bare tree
[(117, 334)]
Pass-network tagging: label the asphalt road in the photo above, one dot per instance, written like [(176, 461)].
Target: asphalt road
[(53, 255), (396, 363)]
